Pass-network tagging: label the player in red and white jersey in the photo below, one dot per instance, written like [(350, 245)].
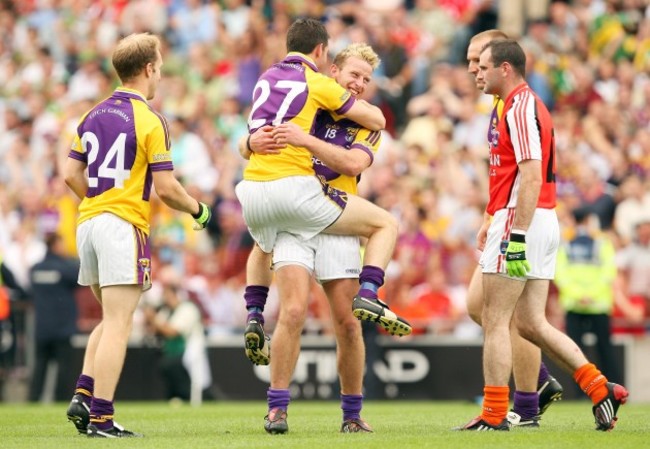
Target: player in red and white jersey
[(536, 389), (525, 132), (522, 241)]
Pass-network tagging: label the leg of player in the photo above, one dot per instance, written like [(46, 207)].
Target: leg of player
[(475, 295), (361, 217), (350, 353), (79, 409), (258, 278), (529, 381), (501, 295), (606, 396), (293, 282), (118, 305), (526, 359)]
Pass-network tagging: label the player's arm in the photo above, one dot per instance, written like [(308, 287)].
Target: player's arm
[(172, 193), (481, 235), (346, 162), (530, 171), (74, 173), (260, 142), (367, 115)]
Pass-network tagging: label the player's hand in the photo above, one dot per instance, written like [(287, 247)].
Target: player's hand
[(202, 218), (290, 134), (516, 263), (262, 141), (481, 236)]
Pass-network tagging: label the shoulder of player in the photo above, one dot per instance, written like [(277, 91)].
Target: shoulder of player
[(317, 77), (144, 112), (518, 100)]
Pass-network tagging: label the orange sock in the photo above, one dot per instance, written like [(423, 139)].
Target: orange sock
[(495, 404), (592, 382)]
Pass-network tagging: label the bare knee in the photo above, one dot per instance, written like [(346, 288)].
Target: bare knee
[(475, 310), (529, 330), (391, 223), (475, 296), (347, 328), (293, 315)]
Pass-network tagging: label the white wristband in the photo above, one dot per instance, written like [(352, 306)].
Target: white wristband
[(518, 231)]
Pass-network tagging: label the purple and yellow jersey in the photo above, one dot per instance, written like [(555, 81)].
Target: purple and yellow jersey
[(497, 112), (347, 134), (291, 91), (121, 140)]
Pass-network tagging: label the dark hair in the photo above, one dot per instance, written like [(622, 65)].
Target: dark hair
[(51, 239), (304, 35), (508, 50)]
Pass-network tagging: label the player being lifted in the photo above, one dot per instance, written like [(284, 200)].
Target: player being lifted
[(280, 193), (342, 150)]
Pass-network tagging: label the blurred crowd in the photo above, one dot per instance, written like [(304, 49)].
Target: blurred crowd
[(589, 60)]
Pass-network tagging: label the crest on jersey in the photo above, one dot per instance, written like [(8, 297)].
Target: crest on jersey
[(351, 134)]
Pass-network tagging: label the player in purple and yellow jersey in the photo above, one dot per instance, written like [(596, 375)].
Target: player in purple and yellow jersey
[(123, 145), (280, 192), (341, 149)]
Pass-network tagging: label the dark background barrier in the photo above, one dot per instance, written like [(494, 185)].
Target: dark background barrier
[(401, 369)]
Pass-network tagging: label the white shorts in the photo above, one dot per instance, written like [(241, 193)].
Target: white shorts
[(113, 252), (327, 256), (542, 241), (300, 205)]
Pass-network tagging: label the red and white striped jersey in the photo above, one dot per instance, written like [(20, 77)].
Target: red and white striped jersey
[(524, 132)]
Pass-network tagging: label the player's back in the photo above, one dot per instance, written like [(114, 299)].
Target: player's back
[(121, 140), (291, 91)]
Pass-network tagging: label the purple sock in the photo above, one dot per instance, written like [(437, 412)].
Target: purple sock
[(351, 405), (277, 398), (255, 297), (543, 375), (85, 387), (371, 278), (101, 413), (255, 315), (526, 404)]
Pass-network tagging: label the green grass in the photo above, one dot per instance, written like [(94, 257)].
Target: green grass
[(315, 425)]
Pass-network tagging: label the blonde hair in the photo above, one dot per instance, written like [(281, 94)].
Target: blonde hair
[(133, 53), (360, 50), (490, 35)]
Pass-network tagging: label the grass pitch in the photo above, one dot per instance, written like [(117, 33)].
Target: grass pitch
[(397, 424)]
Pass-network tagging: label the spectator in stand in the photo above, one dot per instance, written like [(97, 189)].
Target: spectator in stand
[(53, 286), (47, 51), (178, 322), (634, 264), (633, 205), (514, 15), (585, 277)]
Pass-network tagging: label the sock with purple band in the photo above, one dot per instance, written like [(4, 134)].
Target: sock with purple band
[(85, 387), (371, 278), (278, 398), (543, 375), (255, 296), (351, 405), (101, 413), (526, 404)]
